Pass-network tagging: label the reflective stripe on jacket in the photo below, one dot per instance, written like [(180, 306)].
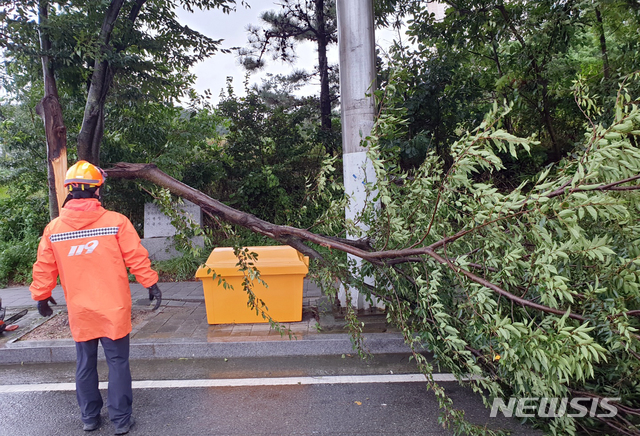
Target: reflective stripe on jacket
[(90, 248)]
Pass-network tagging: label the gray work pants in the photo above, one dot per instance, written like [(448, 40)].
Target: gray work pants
[(119, 393)]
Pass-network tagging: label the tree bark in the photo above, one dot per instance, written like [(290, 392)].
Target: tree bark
[(323, 67), (603, 46), (92, 130), (50, 111)]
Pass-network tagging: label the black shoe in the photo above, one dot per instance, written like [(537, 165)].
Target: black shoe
[(125, 428), (93, 426)]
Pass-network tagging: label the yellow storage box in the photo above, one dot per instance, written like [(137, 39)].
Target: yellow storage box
[(282, 268)]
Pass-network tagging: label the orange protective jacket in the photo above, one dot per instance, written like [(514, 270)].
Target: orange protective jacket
[(90, 249)]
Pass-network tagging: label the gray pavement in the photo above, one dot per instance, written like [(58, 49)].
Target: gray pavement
[(179, 329), (392, 409)]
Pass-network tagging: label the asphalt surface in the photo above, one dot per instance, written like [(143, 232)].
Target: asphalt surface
[(321, 395)]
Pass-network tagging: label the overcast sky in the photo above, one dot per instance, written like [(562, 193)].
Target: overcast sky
[(212, 73)]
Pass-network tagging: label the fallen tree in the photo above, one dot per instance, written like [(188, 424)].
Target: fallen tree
[(528, 293), (296, 237)]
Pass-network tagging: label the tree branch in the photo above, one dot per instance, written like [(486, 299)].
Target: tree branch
[(295, 237), (608, 187), (50, 111), (90, 135), (500, 291)]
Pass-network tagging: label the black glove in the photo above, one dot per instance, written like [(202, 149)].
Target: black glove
[(154, 292), (43, 306)]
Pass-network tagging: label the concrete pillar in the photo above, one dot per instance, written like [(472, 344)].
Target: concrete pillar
[(356, 42)]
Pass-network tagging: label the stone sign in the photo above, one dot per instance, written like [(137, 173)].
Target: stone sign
[(157, 224), (158, 230)]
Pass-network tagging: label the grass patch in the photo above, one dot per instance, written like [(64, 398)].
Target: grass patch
[(179, 269)]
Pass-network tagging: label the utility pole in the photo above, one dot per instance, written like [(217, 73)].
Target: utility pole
[(356, 42)]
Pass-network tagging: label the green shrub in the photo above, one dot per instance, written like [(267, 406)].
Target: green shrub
[(16, 260), (22, 220)]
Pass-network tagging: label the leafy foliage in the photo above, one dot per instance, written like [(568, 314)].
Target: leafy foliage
[(267, 155), (522, 52), (532, 291), (150, 49), (23, 205), (24, 217)]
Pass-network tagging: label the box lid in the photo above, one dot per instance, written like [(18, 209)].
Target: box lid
[(271, 260)]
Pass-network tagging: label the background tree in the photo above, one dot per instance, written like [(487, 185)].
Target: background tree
[(267, 155), (523, 52), (296, 21), (138, 47)]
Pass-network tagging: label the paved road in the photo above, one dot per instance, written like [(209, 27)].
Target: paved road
[(321, 395)]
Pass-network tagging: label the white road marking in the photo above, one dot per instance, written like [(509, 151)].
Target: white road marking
[(240, 382)]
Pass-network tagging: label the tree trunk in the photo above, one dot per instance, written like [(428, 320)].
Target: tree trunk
[(211, 206), (603, 46), (606, 72), (50, 111), (323, 67), (548, 118), (92, 130)]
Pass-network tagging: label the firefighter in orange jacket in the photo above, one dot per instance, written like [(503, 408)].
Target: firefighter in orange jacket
[(90, 248)]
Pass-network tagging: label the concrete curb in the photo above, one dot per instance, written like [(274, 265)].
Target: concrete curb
[(315, 345)]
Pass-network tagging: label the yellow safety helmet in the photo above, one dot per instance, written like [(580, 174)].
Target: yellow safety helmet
[(84, 175)]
